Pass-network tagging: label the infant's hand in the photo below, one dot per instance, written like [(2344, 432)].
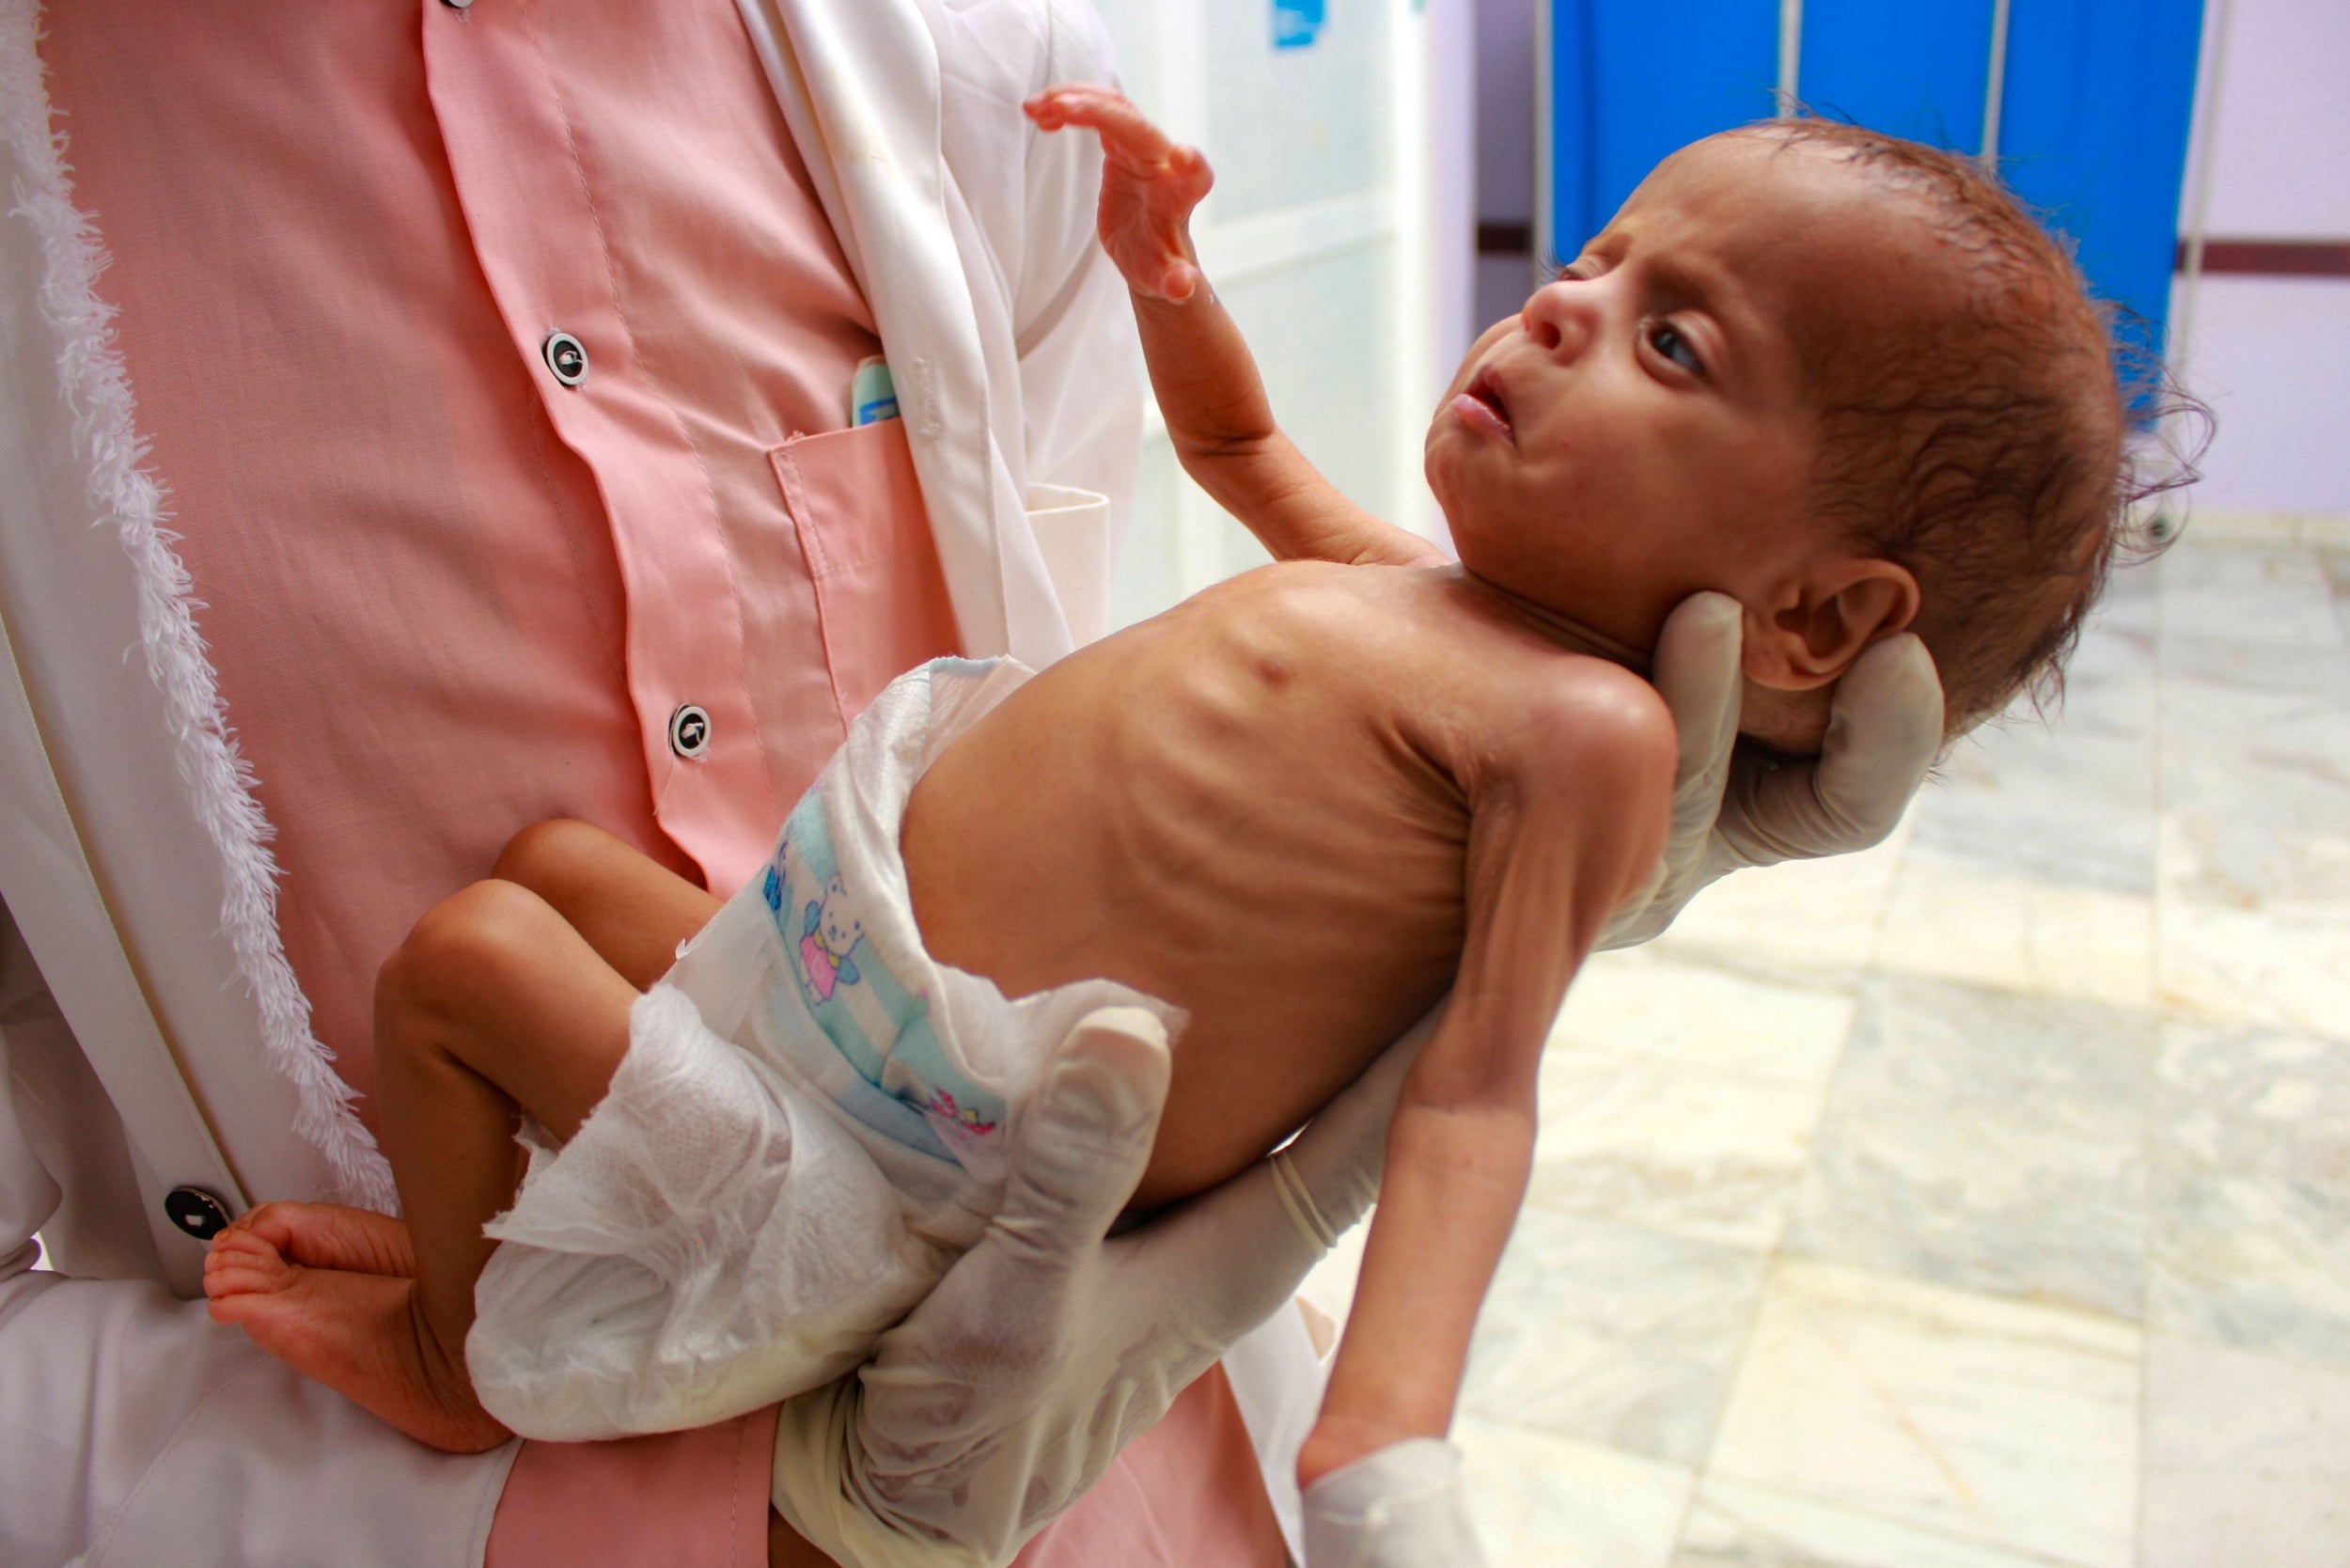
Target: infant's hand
[(1148, 187)]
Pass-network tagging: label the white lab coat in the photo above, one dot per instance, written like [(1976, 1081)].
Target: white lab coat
[(152, 1034)]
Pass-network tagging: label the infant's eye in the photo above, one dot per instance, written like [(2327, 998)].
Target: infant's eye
[(1671, 342)]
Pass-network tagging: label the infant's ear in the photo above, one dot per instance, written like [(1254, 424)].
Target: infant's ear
[(1819, 620)]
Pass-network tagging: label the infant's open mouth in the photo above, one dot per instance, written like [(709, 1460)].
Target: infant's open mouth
[(1483, 390)]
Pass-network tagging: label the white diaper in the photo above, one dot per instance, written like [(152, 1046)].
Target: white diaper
[(807, 1128)]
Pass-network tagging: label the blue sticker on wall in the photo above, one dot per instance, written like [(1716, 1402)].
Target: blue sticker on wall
[(1297, 23)]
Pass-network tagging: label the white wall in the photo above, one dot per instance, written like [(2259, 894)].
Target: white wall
[(2272, 359), (2281, 158), (2272, 356)]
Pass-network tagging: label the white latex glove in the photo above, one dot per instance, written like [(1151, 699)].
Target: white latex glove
[(1733, 808), (1402, 1507), (1007, 1390)]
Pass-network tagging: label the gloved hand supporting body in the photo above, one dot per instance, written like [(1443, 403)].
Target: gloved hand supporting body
[(1047, 1347)]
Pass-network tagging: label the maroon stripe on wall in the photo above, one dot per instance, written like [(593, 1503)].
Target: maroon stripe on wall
[(1504, 239), (2263, 257), (2275, 258)]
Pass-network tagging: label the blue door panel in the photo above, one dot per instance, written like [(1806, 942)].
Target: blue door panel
[(1917, 71), (2099, 96), (1630, 83)]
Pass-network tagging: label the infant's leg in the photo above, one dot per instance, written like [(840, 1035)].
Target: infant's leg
[(330, 1292), (631, 909), (494, 1001)]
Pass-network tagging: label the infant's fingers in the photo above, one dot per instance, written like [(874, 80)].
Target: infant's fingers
[(1191, 168), (1067, 106), (1124, 128)]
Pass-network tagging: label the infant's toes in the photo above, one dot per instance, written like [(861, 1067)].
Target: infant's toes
[(227, 1276), (240, 1261), (232, 1244), (275, 1222)]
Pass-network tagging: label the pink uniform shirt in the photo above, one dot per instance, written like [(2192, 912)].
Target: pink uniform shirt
[(449, 594)]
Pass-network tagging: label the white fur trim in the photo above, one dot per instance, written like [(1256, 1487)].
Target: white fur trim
[(125, 494)]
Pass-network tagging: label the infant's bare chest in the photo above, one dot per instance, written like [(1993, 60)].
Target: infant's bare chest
[(1205, 810), (1293, 804)]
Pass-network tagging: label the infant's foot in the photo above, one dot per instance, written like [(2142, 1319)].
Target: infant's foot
[(328, 1235), (331, 1292)]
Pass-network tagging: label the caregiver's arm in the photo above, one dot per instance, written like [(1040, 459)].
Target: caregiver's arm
[(1201, 371)]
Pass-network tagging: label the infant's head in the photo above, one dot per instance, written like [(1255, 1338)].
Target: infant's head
[(1844, 378)]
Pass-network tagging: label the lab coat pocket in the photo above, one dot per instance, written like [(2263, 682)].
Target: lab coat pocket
[(881, 599), (1073, 533)]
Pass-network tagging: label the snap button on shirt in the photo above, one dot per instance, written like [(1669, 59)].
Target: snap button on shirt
[(566, 355), (196, 1212), (457, 5), (689, 731)]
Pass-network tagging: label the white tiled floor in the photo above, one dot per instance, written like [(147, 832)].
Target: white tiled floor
[(1984, 1200)]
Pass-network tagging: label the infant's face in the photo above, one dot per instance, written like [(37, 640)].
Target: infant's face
[(1641, 431)]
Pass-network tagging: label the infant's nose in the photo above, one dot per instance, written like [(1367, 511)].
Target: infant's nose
[(1559, 317)]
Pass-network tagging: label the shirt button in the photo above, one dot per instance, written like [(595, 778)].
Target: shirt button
[(689, 731), (457, 5), (567, 357), (196, 1212)]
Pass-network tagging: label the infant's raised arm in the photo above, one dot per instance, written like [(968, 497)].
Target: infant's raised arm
[(1201, 371)]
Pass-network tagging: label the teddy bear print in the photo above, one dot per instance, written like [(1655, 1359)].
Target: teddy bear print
[(827, 934)]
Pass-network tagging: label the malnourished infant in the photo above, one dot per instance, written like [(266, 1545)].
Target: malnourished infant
[(1839, 378)]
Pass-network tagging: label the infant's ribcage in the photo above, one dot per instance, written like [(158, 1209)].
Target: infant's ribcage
[(1222, 828)]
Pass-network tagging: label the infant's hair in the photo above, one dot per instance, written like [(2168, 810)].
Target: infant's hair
[(1987, 444)]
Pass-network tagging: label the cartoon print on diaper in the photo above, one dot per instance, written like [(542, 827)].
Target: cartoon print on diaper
[(906, 1086), (828, 934), (943, 1104)]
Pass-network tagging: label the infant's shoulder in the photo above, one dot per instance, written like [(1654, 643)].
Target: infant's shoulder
[(1430, 645), (1553, 706)]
